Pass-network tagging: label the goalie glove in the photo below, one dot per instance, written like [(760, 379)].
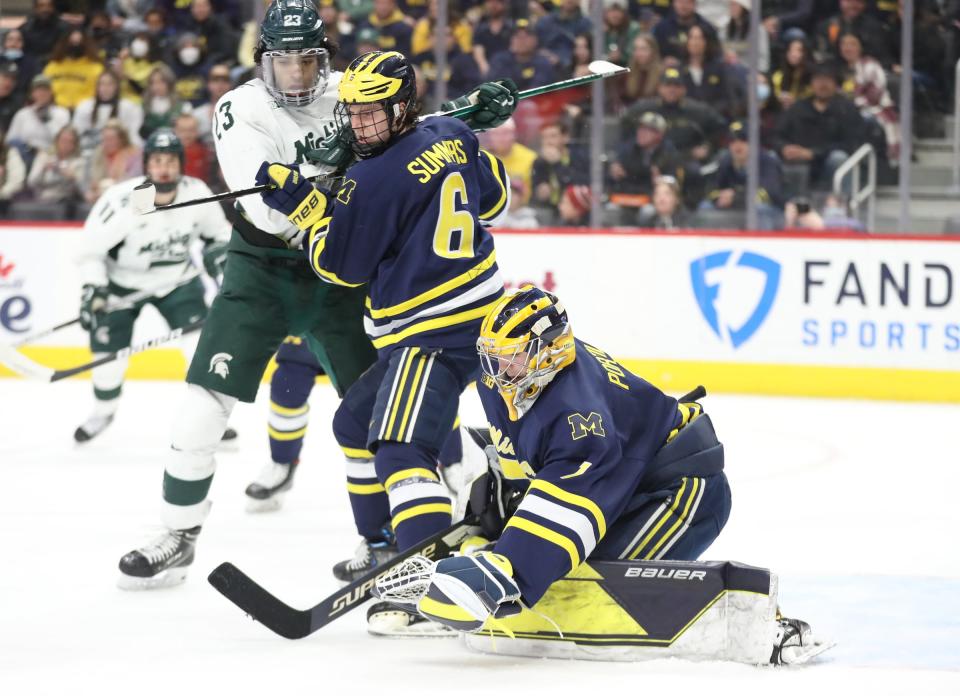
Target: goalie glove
[(293, 195), (93, 302), (465, 591), (497, 101)]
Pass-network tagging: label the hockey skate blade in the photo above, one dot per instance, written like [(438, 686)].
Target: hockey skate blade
[(256, 506), (802, 654), (396, 623), (167, 578), (143, 198)]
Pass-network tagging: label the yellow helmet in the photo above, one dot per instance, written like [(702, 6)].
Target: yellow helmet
[(524, 341), (378, 77)]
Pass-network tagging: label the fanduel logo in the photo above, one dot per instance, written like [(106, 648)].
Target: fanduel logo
[(707, 294)]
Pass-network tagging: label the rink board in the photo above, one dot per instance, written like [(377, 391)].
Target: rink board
[(819, 315)]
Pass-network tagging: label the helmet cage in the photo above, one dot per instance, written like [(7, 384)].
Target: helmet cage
[(306, 93), (528, 362), (392, 112)]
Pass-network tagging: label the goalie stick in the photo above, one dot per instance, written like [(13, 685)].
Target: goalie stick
[(292, 623), (143, 197), (26, 367)]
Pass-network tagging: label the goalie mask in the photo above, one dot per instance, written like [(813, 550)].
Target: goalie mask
[(294, 52), (524, 342), (162, 140), (377, 100)]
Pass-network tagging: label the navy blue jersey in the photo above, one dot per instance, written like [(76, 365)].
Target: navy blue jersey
[(408, 222), (585, 444)]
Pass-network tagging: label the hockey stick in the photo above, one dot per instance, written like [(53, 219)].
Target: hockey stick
[(121, 303), (143, 196), (292, 623), (23, 365)]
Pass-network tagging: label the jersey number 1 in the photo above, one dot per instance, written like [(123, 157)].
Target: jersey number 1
[(453, 237)]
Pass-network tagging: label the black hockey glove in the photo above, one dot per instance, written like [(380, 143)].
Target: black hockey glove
[(334, 153), (93, 302), (215, 259), (497, 101)]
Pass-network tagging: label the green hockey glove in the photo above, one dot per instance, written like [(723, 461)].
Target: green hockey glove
[(497, 101), (334, 153), (93, 302)]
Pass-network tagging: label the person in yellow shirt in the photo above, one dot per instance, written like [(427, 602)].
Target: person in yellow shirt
[(517, 159), (137, 61), (73, 69), (422, 39)]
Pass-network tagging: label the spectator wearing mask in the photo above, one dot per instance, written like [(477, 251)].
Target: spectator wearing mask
[(13, 174), (668, 212), (161, 105), (517, 159), (136, 64), (190, 68), (730, 192), (92, 114), (36, 124), (818, 133), (57, 173), (492, 35), (43, 29), (706, 75), (218, 84), (523, 63), (10, 99), (557, 166), (853, 17), (619, 31), (866, 84), (26, 64), (112, 161), (637, 164), (215, 35), (695, 128), (645, 68), (557, 31), (199, 160), (393, 27), (574, 206), (671, 32), (423, 31), (107, 42), (73, 69)]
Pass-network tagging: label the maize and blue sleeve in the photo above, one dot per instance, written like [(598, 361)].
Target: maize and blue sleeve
[(494, 189), (577, 494)]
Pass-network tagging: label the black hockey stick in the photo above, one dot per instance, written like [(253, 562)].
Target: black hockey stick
[(23, 365), (292, 623)]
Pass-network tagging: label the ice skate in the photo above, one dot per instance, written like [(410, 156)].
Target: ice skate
[(368, 556), (164, 562), (389, 620), (93, 426), (266, 492), (795, 644)]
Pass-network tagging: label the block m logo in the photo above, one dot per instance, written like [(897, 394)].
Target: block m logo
[(581, 426)]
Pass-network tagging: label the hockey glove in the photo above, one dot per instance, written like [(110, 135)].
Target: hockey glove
[(497, 101), (93, 302), (215, 259), (465, 591), (293, 195), (334, 154)]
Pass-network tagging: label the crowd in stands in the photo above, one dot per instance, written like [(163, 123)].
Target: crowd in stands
[(84, 82)]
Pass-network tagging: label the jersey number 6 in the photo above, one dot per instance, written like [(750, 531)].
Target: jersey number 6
[(453, 237)]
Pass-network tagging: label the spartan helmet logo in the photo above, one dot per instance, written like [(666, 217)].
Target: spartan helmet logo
[(219, 364)]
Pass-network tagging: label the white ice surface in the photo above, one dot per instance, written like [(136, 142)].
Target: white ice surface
[(853, 503)]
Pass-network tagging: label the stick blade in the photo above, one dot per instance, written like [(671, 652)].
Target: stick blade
[(24, 366), (259, 604), (605, 68), (143, 198)]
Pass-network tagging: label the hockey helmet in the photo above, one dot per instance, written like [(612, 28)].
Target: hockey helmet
[(525, 340), (294, 52), (383, 78), (163, 140)]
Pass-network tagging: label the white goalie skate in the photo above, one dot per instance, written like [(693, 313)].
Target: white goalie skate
[(266, 492), (795, 644)]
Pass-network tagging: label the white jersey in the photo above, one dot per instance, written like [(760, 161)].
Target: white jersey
[(143, 251), (250, 127)]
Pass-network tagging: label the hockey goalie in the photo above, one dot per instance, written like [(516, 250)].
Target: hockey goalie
[(620, 488)]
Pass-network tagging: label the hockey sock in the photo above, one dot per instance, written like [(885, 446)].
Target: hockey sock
[(290, 389), (419, 505)]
